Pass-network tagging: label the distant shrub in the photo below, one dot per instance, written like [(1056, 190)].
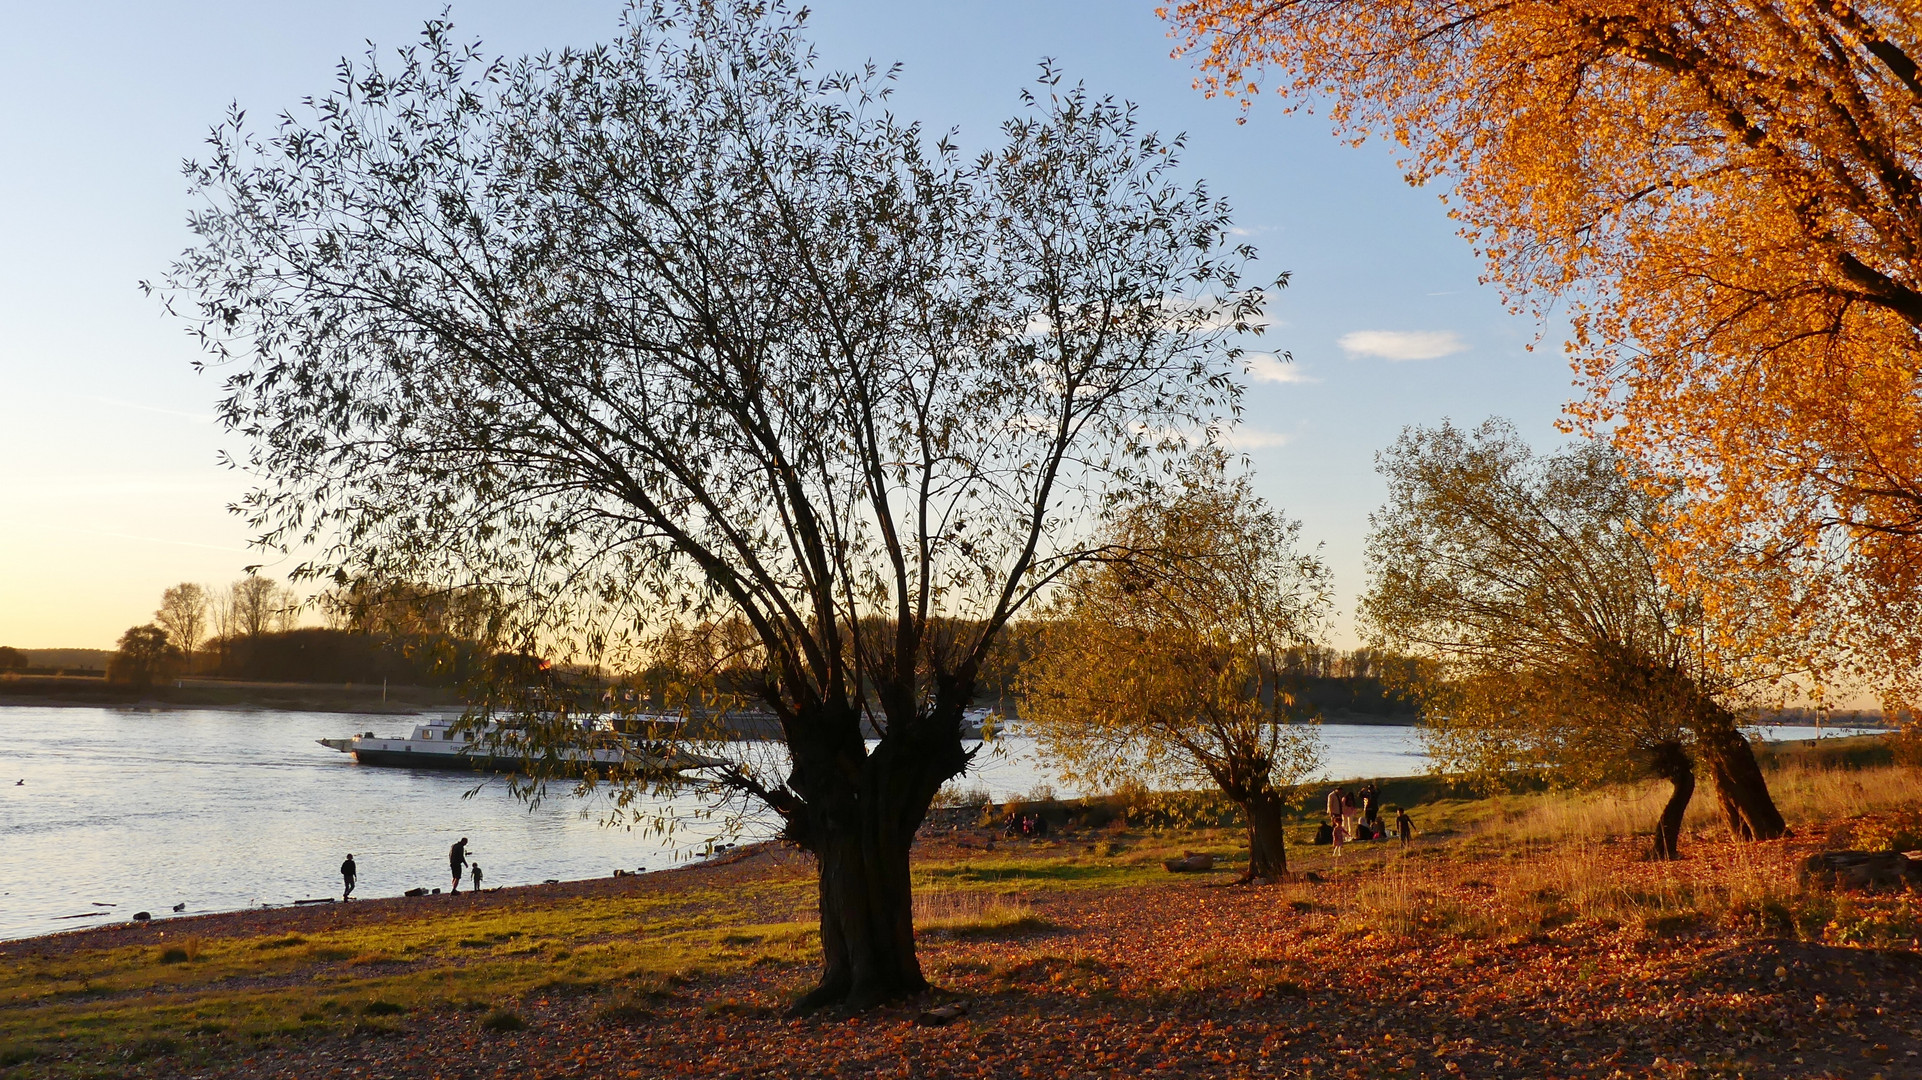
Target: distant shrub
[(500, 1021), (955, 796), (624, 1012), (382, 1008)]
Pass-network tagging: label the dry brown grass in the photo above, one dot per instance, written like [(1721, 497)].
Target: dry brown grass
[(974, 913), (1808, 796), (1536, 862)]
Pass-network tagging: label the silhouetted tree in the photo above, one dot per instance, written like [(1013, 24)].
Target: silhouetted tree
[(183, 615), (144, 656), (256, 605), (681, 328)]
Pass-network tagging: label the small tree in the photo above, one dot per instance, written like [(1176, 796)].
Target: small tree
[(1167, 661), (183, 615), (12, 659), (144, 656), (1554, 645)]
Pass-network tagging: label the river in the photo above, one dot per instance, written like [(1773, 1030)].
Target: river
[(127, 810)]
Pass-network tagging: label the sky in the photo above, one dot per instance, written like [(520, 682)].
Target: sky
[(111, 481)]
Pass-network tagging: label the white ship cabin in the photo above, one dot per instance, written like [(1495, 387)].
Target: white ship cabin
[(437, 734)]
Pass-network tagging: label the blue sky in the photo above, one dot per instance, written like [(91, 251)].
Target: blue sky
[(109, 484)]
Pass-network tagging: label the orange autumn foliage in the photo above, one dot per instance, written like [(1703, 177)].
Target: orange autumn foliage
[(1723, 198)]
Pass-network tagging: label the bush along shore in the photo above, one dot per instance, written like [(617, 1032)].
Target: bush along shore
[(1521, 935)]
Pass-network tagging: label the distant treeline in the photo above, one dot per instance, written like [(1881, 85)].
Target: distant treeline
[(413, 635), (53, 661), (327, 655)]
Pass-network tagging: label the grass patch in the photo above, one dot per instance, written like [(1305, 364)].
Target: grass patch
[(975, 915), (623, 1013), (568, 987), (501, 1021), (149, 1048), (89, 1008)]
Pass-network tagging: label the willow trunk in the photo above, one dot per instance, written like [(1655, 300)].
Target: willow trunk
[(859, 813), (1739, 785), (1267, 851), (1671, 763)]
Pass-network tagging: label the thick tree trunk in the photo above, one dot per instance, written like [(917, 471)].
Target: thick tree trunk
[(1739, 784), (1672, 764), (867, 921), (1267, 853), (858, 814)]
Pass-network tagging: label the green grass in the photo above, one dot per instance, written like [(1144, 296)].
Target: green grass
[(150, 1000)]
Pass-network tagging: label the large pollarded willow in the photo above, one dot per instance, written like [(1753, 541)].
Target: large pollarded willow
[(680, 328), (1552, 643), (1725, 195)]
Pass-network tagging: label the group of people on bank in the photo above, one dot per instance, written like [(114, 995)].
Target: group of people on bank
[(457, 862), (1356, 815)]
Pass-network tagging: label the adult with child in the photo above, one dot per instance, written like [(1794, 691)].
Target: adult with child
[(457, 861)]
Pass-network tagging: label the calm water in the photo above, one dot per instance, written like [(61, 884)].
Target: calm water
[(222, 810)]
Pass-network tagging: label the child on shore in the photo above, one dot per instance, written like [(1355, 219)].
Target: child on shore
[(1404, 828), (1340, 834), (475, 867)]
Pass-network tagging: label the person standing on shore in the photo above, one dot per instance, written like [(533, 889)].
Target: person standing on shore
[(1335, 799), (1403, 826), (457, 861), (477, 876), (348, 871)]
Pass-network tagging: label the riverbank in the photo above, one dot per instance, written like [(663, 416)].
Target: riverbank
[(90, 692), (1521, 936)]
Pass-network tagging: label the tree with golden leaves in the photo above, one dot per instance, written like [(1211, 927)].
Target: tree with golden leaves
[(1552, 644), (1167, 663), (1723, 197)]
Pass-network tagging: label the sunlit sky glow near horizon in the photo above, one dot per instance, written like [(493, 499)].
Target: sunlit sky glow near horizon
[(110, 488)]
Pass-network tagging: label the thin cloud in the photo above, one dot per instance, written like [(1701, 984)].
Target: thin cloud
[(1403, 344), (198, 418), (1266, 367)]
